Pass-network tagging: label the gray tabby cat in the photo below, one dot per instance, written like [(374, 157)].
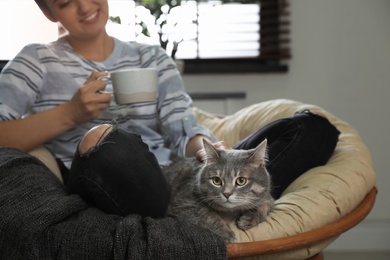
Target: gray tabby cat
[(229, 187)]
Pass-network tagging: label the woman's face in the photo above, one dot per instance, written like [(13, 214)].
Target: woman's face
[(82, 18)]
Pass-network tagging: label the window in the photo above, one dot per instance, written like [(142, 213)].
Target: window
[(220, 36), (222, 31)]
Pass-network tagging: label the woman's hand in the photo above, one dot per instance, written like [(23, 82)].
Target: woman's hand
[(90, 100), (201, 154)]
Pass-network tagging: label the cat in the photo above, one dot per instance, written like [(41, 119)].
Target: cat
[(228, 187)]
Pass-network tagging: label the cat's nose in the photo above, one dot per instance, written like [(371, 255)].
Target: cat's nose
[(226, 194)]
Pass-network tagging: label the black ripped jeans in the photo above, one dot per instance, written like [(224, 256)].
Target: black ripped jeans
[(295, 145), (121, 176)]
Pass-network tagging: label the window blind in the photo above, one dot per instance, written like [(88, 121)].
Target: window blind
[(234, 37)]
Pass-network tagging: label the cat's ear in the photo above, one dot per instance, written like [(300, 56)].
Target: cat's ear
[(259, 156), (211, 153)]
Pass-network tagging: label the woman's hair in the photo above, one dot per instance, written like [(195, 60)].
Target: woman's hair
[(41, 3)]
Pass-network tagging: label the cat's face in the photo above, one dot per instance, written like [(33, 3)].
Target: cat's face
[(234, 180)]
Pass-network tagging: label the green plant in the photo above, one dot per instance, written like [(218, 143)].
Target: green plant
[(160, 9), (115, 19)]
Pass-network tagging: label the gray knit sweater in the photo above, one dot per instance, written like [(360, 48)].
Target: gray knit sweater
[(40, 220)]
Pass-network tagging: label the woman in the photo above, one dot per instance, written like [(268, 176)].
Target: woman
[(45, 80), (53, 92)]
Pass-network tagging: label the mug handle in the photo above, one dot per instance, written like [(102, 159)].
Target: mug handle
[(105, 78)]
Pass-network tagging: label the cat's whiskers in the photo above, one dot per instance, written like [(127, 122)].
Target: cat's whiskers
[(205, 200), (247, 204)]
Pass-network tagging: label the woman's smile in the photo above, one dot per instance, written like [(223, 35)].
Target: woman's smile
[(91, 18)]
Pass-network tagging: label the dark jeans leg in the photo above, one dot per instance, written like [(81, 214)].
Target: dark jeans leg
[(295, 145), (120, 176)]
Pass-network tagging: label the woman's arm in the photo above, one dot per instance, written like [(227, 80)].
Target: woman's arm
[(32, 131), (177, 119), (27, 133)]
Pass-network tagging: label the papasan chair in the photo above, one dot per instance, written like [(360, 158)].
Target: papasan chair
[(317, 207)]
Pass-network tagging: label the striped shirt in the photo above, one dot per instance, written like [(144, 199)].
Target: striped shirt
[(43, 76)]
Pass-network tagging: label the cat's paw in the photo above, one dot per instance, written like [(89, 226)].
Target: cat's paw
[(253, 218), (247, 221)]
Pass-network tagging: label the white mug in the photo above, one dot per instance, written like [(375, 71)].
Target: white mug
[(133, 85)]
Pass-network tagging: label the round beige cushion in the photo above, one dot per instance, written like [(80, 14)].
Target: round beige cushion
[(319, 196)]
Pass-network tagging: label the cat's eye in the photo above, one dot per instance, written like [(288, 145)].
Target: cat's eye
[(217, 181), (241, 181)]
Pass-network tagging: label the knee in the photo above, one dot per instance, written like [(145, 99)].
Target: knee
[(94, 137), (316, 124)]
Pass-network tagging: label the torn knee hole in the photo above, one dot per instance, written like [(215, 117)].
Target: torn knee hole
[(94, 137)]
